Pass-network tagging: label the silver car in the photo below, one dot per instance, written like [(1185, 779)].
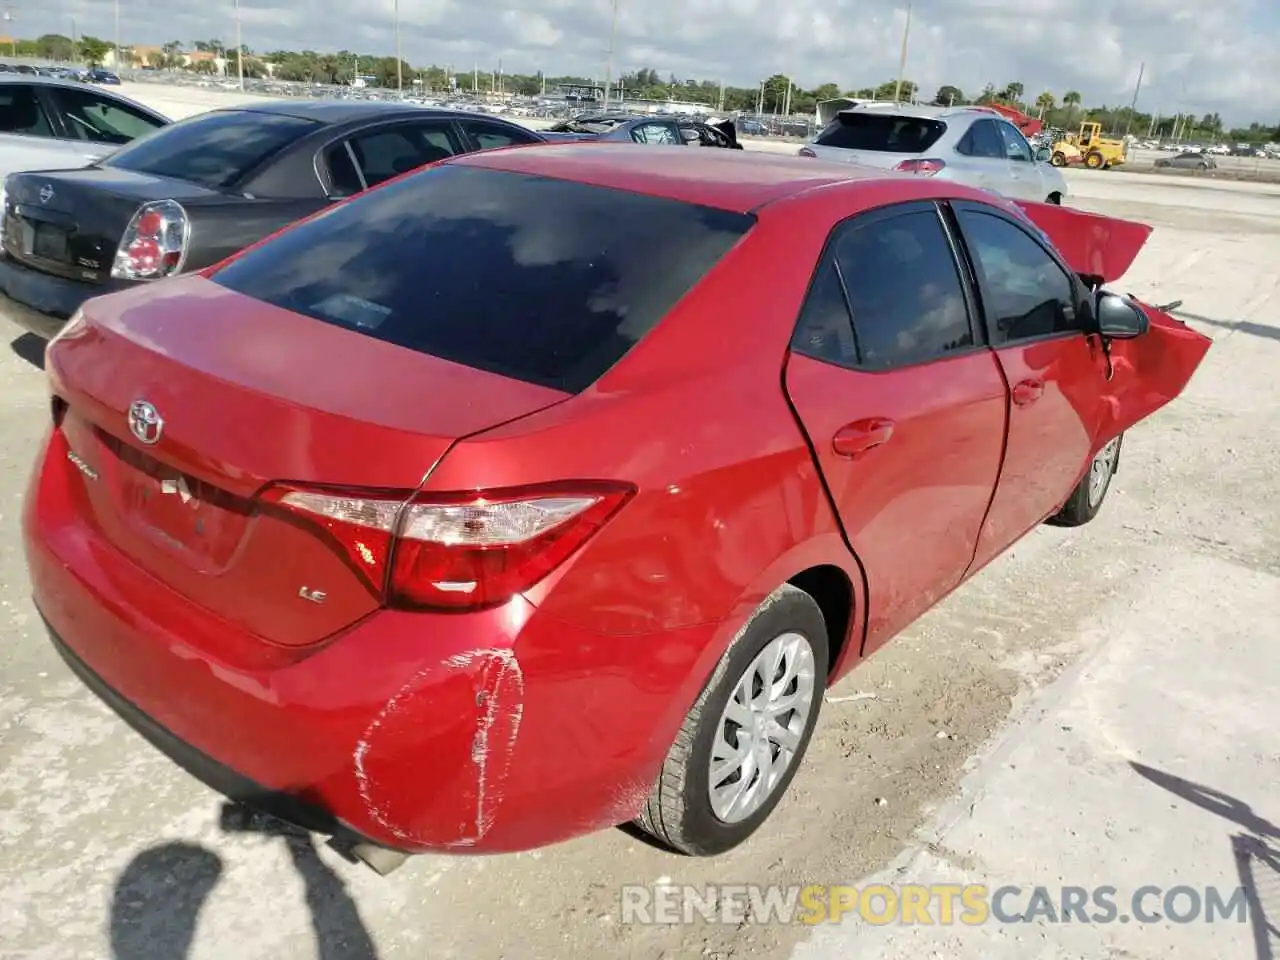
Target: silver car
[(49, 124), (969, 145)]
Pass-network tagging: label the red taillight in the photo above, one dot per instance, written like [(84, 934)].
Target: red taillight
[(154, 244), (455, 551), (921, 168), (806, 152)]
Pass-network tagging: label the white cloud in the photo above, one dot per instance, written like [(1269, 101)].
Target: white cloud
[(1200, 56)]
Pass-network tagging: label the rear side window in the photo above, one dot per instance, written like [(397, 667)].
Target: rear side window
[(886, 133), (213, 149), (22, 112), (904, 290), (546, 281)]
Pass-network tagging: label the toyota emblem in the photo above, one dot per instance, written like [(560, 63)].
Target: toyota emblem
[(46, 193), (145, 422)]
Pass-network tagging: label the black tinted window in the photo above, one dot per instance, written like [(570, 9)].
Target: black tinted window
[(825, 330), (1025, 293), (883, 132), (543, 280), (373, 156), (982, 140), (905, 291), (213, 149), (21, 111)]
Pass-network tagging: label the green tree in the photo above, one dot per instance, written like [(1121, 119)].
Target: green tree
[(947, 95), (93, 51)]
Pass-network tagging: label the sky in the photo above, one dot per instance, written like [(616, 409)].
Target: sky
[(1201, 56)]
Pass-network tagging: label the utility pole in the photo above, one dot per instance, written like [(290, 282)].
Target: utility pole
[(117, 56), (1133, 105), (902, 60), (239, 47), (13, 34), (399, 76), (608, 70)]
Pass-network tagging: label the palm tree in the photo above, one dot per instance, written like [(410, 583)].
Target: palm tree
[(1071, 100), (1045, 102)]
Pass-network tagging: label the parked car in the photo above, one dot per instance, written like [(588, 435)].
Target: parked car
[(1188, 161), (99, 75), (510, 500), (46, 123), (207, 186), (968, 145), (627, 128)]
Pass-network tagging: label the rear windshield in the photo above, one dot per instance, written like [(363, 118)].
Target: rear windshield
[(546, 281), (886, 133), (213, 149)]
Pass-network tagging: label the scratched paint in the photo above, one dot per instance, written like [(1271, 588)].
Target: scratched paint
[(498, 708)]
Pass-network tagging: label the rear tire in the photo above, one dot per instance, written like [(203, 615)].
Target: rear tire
[(690, 810), (1094, 161), (1086, 499)]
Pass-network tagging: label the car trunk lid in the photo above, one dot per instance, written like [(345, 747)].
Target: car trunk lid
[(69, 222), (230, 404)]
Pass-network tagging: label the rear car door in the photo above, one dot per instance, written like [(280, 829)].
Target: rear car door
[(903, 405), (1035, 318), (487, 135), (372, 155), (980, 158), (1024, 173)]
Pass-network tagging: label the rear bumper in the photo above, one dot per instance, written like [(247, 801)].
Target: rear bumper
[(41, 302), (489, 732)]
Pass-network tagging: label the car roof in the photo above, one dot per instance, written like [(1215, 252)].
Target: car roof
[(729, 179), (336, 111), (43, 79), (922, 111)]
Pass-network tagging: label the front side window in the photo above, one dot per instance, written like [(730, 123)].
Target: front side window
[(1015, 144), (543, 280), (904, 289), (1025, 293), (99, 119), (490, 135)]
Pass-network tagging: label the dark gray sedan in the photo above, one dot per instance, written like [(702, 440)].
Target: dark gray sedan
[(1188, 161)]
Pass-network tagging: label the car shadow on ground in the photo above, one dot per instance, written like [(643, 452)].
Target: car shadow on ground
[(1256, 849), (30, 348), (1234, 326), (157, 899)]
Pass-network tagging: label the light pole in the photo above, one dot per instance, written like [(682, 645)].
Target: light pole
[(117, 56), (399, 78), (608, 72), (902, 60), (239, 47)]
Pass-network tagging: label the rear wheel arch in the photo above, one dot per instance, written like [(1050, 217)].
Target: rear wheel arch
[(832, 590)]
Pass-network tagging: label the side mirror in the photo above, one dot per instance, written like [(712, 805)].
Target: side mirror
[(1120, 318), (1044, 155)]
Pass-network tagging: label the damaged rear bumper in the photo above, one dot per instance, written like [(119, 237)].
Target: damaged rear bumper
[(496, 731)]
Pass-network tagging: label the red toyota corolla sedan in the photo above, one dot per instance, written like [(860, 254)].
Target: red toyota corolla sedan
[(547, 489)]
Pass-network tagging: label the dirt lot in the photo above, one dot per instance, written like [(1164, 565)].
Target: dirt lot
[(107, 851)]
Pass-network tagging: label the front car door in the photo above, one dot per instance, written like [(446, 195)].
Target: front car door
[(1036, 315), (903, 404), (980, 158), (95, 124), (1024, 173)]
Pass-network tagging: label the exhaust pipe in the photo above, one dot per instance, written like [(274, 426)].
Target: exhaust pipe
[(378, 859)]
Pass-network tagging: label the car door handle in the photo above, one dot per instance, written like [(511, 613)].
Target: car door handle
[(1027, 391), (854, 439)]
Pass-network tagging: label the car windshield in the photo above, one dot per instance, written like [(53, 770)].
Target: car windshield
[(886, 133), (213, 149), (542, 280)]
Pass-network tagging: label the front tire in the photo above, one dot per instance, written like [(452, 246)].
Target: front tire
[(1059, 159), (1094, 161), (742, 742), (1086, 499)]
